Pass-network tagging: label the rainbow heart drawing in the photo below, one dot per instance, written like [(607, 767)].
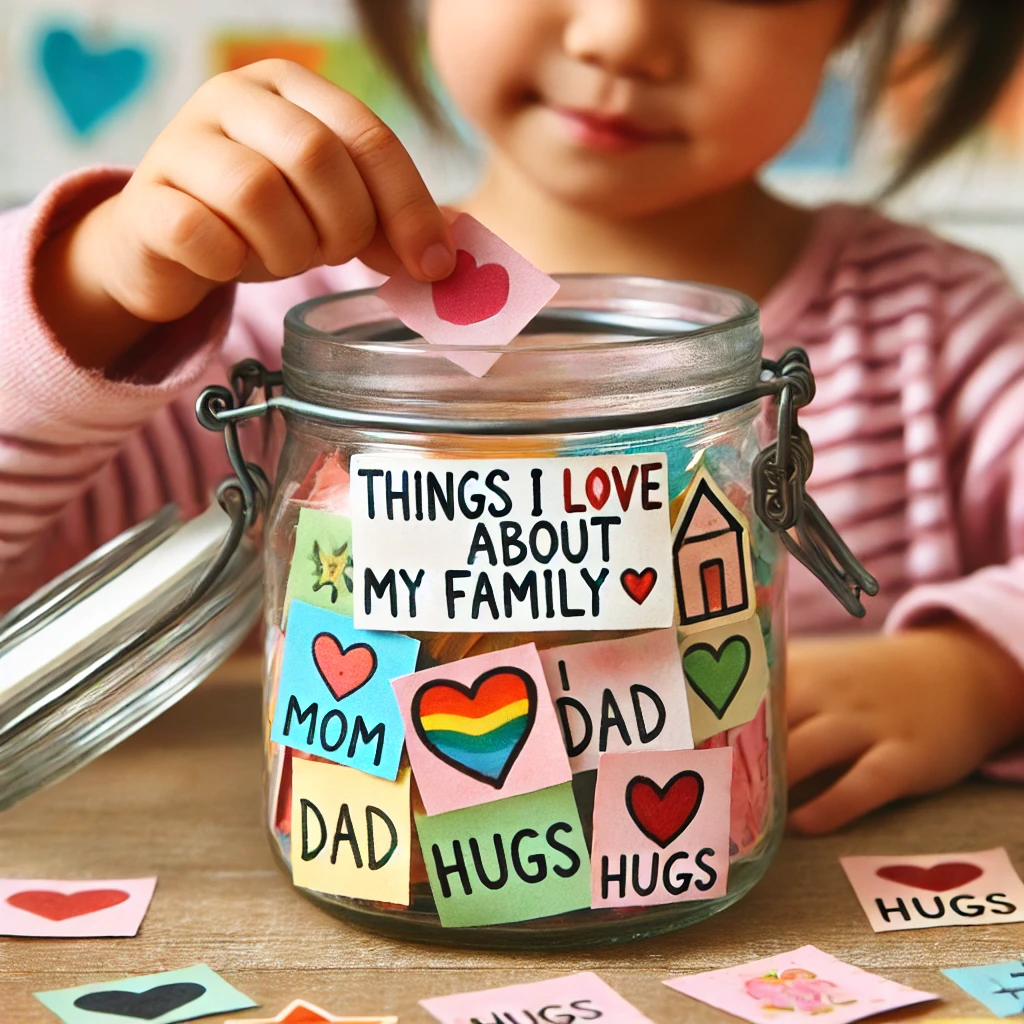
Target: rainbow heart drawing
[(479, 730)]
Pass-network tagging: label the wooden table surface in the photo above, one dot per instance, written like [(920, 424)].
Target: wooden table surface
[(182, 800)]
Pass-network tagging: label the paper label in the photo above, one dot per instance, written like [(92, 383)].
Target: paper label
[(616, 695), (510, 860), (321, 569), (509, 545), (351, 832)]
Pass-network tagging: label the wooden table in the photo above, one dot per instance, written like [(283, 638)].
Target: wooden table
[(182, 800)]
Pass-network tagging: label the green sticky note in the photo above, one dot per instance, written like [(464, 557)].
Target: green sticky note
[(192, 992), (509, 860), (321, 569)]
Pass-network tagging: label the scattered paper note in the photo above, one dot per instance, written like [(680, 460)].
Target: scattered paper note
[(661, 827), (351, 832), (301, 1012), (577, 997), (48, 908), (481, 729), (615, 695), (168, 997), (805, 981), (712, 561), (492, 294), (321, 569), (509, 545), (726, 671), (334, 697), (1000, 987), (936, 890), (509, 860)]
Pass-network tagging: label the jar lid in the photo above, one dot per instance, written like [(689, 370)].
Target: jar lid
[(117, 639)]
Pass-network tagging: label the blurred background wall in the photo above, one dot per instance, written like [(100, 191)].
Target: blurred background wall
[(88, 81)]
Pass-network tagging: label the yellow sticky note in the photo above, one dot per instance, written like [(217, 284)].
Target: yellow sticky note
[(351, 832)]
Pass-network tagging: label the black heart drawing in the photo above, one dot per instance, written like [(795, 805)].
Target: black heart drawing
[(148, 1005)]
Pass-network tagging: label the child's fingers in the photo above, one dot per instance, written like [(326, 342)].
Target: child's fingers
[(250, 194), (821, 742), (875, 779), (312, 159), (413, 224)]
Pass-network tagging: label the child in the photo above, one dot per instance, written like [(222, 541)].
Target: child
[(622, 136)]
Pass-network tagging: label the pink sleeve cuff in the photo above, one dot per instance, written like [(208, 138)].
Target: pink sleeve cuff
[(47, 396)]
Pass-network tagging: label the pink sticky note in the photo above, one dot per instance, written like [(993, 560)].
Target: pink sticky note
[(490, 297), (936, 890), (616, 695), (481, 729), (661, 827), (804, 982), (48, 908), (576, 997)]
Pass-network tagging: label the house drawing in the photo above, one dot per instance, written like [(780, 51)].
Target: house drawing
[(711, 556)]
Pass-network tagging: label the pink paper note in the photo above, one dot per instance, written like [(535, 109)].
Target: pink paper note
[(489, 298), (577, 997), (804, 982), (661, 827), (48, 908), (936, 890), (616, 695), (481, 729)]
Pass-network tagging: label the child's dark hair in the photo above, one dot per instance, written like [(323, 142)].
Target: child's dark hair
[(973, 51)]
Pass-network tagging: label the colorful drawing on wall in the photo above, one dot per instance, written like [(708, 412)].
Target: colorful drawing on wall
[(89, 79)]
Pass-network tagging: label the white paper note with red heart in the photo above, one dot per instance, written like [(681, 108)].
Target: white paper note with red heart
[(48, 908), (507, 545), (490, 297), (334, 697)]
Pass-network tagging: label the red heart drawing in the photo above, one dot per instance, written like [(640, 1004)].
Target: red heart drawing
[(344, 671), (59, 906), (639, 584), (938, 878), (663, 812), (471, 293)]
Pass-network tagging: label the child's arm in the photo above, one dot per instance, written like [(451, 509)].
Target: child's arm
[(927, 703)]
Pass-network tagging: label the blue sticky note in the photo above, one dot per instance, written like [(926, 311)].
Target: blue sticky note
[(164, 998), (1000, 987), (335, 698)]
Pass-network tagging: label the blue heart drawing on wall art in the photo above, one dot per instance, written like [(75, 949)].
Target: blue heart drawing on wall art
[(90, 84)]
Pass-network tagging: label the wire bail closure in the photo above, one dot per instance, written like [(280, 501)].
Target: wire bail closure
[(780, 471)]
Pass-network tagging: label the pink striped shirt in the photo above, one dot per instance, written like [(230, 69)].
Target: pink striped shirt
[(918, 425)]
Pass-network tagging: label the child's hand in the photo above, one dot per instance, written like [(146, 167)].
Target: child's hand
[(904, 714), (265, 172)]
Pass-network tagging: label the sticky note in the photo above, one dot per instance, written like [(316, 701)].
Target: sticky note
[(351, 832), (321, 568), (615, 695), (805, 982), (511, 545), (509, 860), (1000, 987), (50, 908), (936, 890), (726, 671), (576, 997), (661, 827), (490, 297), (712, 561), (334, 698), (481, 729), (166, 998), (300, 1012)]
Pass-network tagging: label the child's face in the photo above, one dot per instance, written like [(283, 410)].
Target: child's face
[(627, 107)]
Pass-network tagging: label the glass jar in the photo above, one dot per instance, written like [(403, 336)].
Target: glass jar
[(666, 374)]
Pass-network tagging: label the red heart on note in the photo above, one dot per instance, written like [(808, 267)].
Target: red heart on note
[(471, 293), (59, 906), (663, 812), (639, 584), (938, 878), (343, 670)]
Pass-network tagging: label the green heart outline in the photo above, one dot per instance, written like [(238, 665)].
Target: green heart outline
[(699, 685)]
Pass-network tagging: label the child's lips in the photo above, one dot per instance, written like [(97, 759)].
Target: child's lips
[(609, 133)]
